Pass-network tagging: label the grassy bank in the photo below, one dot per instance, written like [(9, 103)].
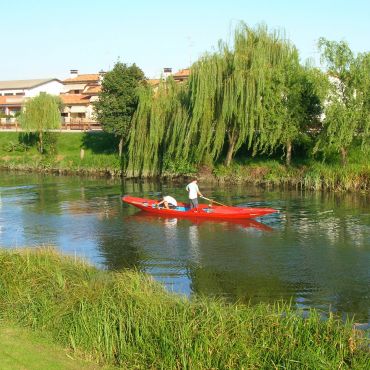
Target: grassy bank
[(128, 320), (23, 349), (93, 153), (98, 155)]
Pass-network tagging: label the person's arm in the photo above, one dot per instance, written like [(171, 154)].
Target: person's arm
[(198, 192), (159, 203)]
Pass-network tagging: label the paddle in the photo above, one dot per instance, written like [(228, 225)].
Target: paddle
[(213, 201)]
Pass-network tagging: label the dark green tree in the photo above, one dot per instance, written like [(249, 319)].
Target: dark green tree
[(40, 114), (118, 100)]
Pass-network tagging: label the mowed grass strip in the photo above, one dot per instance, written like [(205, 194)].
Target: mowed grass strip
[(22, 349)]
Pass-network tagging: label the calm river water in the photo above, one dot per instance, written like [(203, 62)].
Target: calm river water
[(315, 252)]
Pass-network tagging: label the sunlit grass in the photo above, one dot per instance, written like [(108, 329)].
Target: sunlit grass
[(129, 320)]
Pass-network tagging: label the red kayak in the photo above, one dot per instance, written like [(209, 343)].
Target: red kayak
[(203, 210)]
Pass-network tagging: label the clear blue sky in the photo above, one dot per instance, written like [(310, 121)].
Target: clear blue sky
[(47, 38)]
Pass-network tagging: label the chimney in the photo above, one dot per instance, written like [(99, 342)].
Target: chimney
[(73, 73), (167, 72), (101, 75)]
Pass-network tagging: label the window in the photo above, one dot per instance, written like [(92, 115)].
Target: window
[(20, 94)]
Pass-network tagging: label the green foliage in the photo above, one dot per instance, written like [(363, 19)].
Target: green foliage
[(252, 94), (12, 146), (347, 108), (119, 98), (51, 142), (158, 129), (178, 167), (128, 320), (40, 114)]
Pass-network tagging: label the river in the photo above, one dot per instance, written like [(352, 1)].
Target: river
[(314, 253)]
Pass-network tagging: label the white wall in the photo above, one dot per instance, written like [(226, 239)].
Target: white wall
[(52, 88)]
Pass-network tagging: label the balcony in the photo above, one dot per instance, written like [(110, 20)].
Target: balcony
[(67, 124)]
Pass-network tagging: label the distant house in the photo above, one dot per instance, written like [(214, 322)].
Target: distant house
[(13, 94), (179, 77), (80, 91)]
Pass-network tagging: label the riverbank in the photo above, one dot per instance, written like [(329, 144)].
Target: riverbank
[(22, 348), (93, 154), (126, 319)]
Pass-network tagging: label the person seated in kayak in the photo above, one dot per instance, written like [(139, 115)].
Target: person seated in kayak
[(168, 202)]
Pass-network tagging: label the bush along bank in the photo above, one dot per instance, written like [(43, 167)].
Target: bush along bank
[(128, 320), (312, 176), (93, 154)]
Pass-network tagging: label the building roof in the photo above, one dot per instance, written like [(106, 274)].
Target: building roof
[(183, 73), (24, 84), (76, 86), (75, 99), (94, 77), (95, 89)]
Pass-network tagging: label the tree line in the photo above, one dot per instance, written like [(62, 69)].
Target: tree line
[(251, 94)]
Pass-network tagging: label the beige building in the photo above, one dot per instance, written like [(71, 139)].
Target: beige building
[(80, 92), (13, 95)]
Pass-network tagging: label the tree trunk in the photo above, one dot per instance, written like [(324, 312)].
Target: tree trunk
[(343, 152), (288, 152), (41, 142), (230, 151), (120, 147)]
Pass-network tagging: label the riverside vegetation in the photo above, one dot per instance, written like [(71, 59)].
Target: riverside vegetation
[(128, 320), (63, 155), (246, 109)]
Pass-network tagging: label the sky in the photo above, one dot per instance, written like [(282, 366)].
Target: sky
[(44, 39)]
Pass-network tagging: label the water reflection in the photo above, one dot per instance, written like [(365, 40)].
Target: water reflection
[(146, 217), (316, 252)]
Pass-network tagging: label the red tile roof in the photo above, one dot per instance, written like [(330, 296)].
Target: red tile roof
[(183, 73), (92, 89), (83, 78), (75, 99)]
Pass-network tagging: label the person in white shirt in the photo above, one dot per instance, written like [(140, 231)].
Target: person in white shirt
[(193, 190), (167, 201)]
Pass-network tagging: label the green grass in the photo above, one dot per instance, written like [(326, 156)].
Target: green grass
[(100, 157), (310, 174), (23, 349), (99, 154), (126, 319)]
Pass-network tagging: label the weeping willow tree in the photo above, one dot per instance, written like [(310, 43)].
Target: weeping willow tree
[(220, 108), (227, 91), (40, 114), (156, 121)]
